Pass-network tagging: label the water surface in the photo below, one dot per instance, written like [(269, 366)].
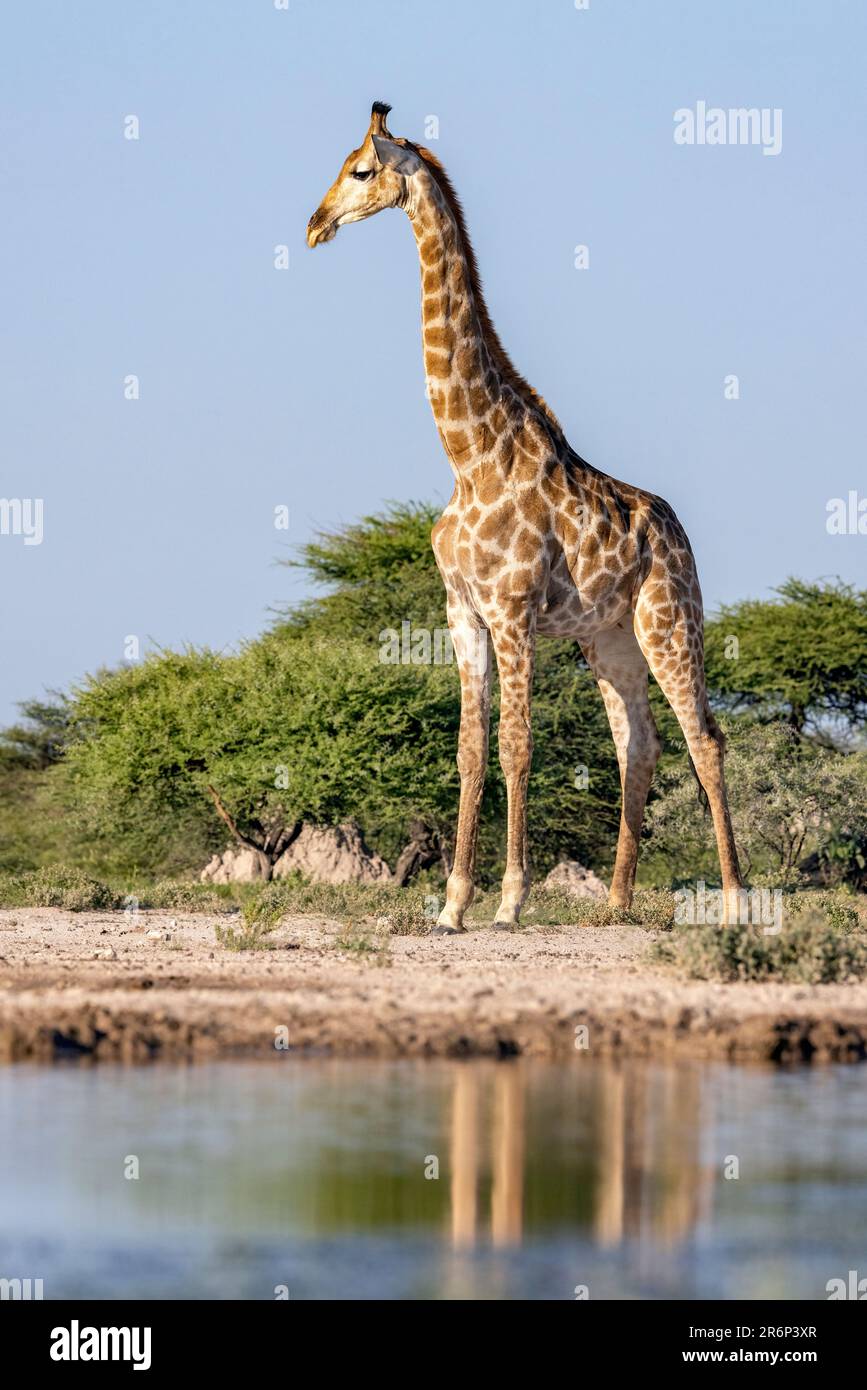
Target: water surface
[(352, 1180)]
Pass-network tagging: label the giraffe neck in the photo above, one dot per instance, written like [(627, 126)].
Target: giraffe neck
[(470, 393)]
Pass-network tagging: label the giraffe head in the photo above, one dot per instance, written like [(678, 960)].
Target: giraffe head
[(373, 177)]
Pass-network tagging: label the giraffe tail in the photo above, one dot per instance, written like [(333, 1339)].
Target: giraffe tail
[(719, 738), (700, 791)]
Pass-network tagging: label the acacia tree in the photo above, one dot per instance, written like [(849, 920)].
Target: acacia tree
[(32, 829), (799, 811), (801, 656), (197, 744)]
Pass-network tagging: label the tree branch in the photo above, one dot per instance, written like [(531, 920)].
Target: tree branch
[(227, 819)]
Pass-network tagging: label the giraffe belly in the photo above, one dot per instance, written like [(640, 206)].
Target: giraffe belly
[(579, 615)]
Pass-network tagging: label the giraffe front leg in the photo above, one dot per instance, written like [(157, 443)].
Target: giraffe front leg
[(471, 650), (515, 649)]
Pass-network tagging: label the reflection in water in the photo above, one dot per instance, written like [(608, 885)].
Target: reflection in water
[(650, 1179), (317, 1175), (507, 1198), (645, 1130), (465, 1155)]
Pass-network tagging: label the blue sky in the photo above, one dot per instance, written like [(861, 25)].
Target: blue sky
[(304, 387)]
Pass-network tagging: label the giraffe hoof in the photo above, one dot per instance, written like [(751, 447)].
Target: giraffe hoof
[(505, 926), (444, 931)]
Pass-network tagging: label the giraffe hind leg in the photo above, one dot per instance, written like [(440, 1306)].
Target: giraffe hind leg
[(621, 670), (669, 631)]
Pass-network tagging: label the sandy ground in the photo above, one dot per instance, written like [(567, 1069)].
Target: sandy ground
[(181, 996)]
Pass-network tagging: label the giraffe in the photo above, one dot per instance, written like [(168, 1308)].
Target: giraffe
[(534, 541)]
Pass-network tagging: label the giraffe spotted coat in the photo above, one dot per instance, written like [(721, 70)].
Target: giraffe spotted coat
[(534, 541)]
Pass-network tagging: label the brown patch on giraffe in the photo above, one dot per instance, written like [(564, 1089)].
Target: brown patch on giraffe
[(496, 523), (506, 453), (457, 403), (437, 366), (531, 445), (430, 249), (486, 563), (463, 319), (525, 546), (550, 489), (468, 363), (484, 438), (488, 484), (480, 402), (440, 336), (517, 584), (457, 441), (511, 601), (534, 510)]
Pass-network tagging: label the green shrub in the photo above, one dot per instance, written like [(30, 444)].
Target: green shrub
[(186, 897), (791, 802), (260, 916), (243, 938), (359, 940), (56, 885), (405, 908), (652, 908), (810, 950)]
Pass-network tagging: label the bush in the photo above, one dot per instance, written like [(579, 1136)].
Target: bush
[(359, 941), (260, 916), (809, 951), (791, 802), (186, 897), (56, 886)]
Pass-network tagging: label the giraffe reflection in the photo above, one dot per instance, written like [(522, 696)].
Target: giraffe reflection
[(632, 1137), (507, 1155)]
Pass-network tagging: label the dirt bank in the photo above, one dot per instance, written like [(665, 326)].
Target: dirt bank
[(180, 995)]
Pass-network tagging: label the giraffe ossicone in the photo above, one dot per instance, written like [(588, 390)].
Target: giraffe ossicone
[(534, 541)]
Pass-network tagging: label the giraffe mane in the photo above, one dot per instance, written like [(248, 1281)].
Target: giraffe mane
[(500, 357)]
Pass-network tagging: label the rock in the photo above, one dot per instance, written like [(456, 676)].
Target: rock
[(332, 854), (157, 934), (236, 865), (336, 854), (571, 877), (105, 953)]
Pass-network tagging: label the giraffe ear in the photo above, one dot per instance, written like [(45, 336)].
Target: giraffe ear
[(397, 157)]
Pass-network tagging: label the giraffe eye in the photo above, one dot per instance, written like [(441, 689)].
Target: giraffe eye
[(362, 174)]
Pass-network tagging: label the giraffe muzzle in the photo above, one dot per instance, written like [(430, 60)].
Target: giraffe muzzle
[(320, 228)]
